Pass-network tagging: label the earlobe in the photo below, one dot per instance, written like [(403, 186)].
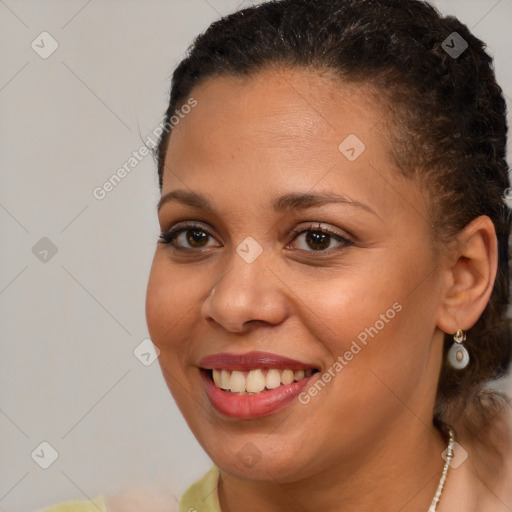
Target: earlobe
[(470, 276)]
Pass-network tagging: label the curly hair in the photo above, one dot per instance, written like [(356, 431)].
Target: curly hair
[(448, 120)]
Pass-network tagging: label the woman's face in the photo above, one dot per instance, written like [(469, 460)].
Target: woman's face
[(326, 290)]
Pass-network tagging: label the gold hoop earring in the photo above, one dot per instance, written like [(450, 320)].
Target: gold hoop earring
[(458, 356)]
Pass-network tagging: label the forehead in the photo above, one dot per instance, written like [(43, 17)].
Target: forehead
[(283, 129), (306, 110)]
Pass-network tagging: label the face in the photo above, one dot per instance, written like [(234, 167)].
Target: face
[(321, 330)]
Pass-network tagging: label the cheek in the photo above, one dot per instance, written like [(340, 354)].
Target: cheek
[(378, 318), (356, 303), (172, 298)]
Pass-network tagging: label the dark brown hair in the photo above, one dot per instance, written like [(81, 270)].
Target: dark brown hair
[(448, 122)]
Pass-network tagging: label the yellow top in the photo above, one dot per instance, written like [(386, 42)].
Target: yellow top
[(95, 505), (201, 496)]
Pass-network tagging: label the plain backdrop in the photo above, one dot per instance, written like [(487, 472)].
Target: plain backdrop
[(74, 268)]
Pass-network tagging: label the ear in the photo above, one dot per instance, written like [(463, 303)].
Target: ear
[(470, 270)]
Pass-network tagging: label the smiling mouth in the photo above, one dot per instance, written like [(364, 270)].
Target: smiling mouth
[(256, 381)]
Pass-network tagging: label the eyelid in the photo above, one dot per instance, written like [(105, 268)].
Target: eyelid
[(188, 224), (320, 226)]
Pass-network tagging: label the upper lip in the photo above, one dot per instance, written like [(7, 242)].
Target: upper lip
[(251, 361)]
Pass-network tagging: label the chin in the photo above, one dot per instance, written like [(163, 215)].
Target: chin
[(282, 467), (260, 457)]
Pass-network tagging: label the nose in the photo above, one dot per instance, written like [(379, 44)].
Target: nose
[(248, 294)]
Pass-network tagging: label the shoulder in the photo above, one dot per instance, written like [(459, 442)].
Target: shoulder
[(95, 505), (487, 439), (202, 495)]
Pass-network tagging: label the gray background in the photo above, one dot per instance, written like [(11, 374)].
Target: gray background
[(69, 325)]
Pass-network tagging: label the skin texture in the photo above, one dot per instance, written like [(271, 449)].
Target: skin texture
[(366, 440)]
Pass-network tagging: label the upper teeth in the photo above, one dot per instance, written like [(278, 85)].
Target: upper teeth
[(257, 380)]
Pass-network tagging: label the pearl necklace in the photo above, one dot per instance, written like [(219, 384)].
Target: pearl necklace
[(449, 456)]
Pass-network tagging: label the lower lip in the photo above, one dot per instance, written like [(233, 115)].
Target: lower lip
[(265, 403)]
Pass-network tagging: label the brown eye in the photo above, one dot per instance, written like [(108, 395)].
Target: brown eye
[(196, 237), (186, 237), (318, 239)]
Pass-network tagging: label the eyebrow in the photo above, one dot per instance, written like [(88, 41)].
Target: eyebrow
[(288, 202)]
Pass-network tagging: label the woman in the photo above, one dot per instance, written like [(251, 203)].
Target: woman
[(330, 289)]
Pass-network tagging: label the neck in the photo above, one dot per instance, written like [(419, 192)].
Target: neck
[(401, 473)]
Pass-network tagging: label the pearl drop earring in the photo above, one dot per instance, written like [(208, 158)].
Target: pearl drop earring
[(458, 356)]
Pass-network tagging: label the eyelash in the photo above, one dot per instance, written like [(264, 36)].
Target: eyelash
[(169, 237), (318, 229)]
